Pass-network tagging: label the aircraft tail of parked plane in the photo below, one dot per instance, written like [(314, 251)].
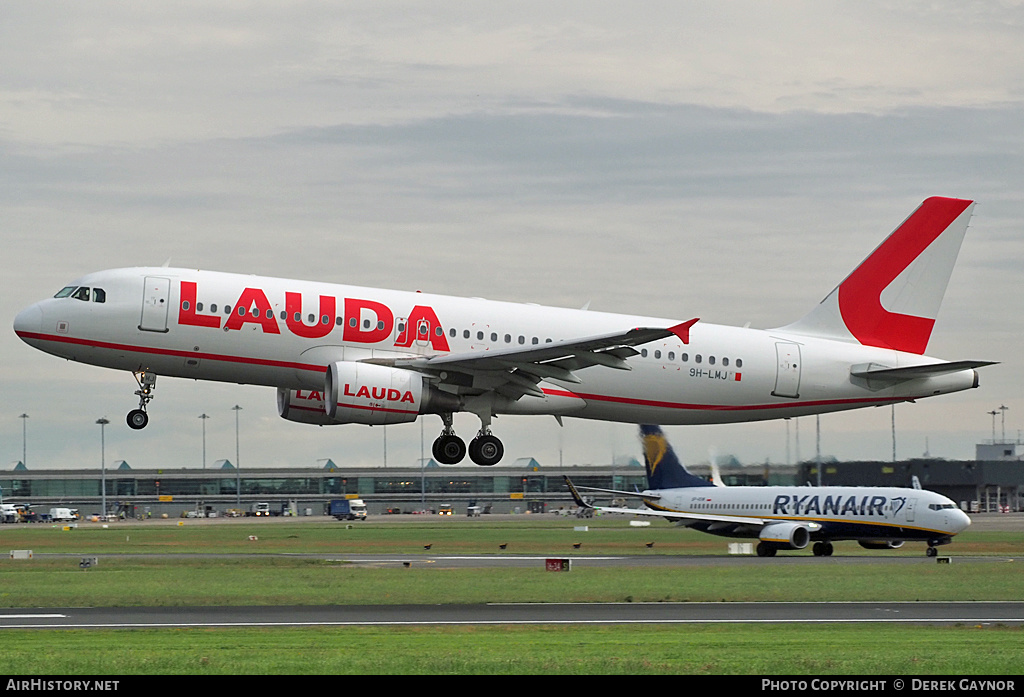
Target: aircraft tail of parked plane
[(341, 354), (784, 517)]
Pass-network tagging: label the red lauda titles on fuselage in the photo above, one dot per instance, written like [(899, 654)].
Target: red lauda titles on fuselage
[(363, 322)]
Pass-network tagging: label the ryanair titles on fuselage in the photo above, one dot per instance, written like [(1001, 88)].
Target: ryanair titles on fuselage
[(840, 505)]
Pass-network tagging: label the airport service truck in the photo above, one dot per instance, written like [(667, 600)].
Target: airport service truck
[(259, 509), (347, 509)]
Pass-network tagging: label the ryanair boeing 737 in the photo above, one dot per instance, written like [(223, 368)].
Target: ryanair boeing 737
[(350, 355), (786, 517)]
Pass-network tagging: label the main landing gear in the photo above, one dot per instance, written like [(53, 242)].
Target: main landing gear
[(138, 418), (822, 549), (449, 449)]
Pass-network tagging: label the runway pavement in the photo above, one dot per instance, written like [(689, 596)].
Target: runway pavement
[(471, 561), (972, 613), (976, 613)]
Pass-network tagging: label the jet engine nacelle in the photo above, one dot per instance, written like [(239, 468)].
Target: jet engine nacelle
[(365, 393), (880, 544), (303, 406), (794, 535)]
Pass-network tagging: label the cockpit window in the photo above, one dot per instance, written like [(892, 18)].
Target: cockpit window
[(97, 295)]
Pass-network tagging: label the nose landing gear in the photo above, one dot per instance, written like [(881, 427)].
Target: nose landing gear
[(138, 418)]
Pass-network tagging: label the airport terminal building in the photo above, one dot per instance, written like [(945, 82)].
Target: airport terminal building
[(990, 484)]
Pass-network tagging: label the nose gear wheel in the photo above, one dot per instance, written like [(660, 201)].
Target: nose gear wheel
[(138, 418)]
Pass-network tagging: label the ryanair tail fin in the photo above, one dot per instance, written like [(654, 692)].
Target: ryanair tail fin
[(664, 470), (892, 299)]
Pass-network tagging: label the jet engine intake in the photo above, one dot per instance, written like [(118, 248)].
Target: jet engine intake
[(792, 535), (365, 393)]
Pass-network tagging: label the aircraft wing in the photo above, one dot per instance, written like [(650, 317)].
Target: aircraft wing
[(515, 372), (654, 511), (616, 492)]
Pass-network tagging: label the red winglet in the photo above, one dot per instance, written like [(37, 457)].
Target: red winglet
[(682, 330)]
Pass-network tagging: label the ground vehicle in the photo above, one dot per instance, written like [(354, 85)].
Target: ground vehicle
[(63, 515), (259, 509), (347, 509), (445, 509)]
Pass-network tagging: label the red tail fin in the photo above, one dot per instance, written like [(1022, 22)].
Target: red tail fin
[(892, 299)]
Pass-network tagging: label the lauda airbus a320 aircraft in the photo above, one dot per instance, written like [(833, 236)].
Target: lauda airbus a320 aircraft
[(342, 354)]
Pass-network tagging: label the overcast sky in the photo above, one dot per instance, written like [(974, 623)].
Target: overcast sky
[(732, 161)]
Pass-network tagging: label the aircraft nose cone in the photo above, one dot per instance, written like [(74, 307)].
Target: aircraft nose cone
[(28, 321), (961, 521)]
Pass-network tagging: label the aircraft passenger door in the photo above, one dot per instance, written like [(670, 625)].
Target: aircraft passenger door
[(911, 505), (787, 378), (423, 330), (155, 304), (419, 340)]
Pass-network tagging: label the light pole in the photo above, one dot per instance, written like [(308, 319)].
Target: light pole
[(993, 415), (788, 458), (24, 439), (423, 474), (1004, 409), (204, 417), (238, 474), (103, 468), (893, 431), (817, 445)]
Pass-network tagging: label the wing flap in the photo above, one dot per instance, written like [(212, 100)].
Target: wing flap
[(653, 509), (515, 372)]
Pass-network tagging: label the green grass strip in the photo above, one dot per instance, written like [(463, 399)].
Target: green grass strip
[(521, 650)]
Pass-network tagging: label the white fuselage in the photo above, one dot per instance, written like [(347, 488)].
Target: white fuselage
[(284, 333), (844, 513)]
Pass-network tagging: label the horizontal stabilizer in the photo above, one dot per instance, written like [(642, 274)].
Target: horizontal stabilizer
[(878, 372)]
